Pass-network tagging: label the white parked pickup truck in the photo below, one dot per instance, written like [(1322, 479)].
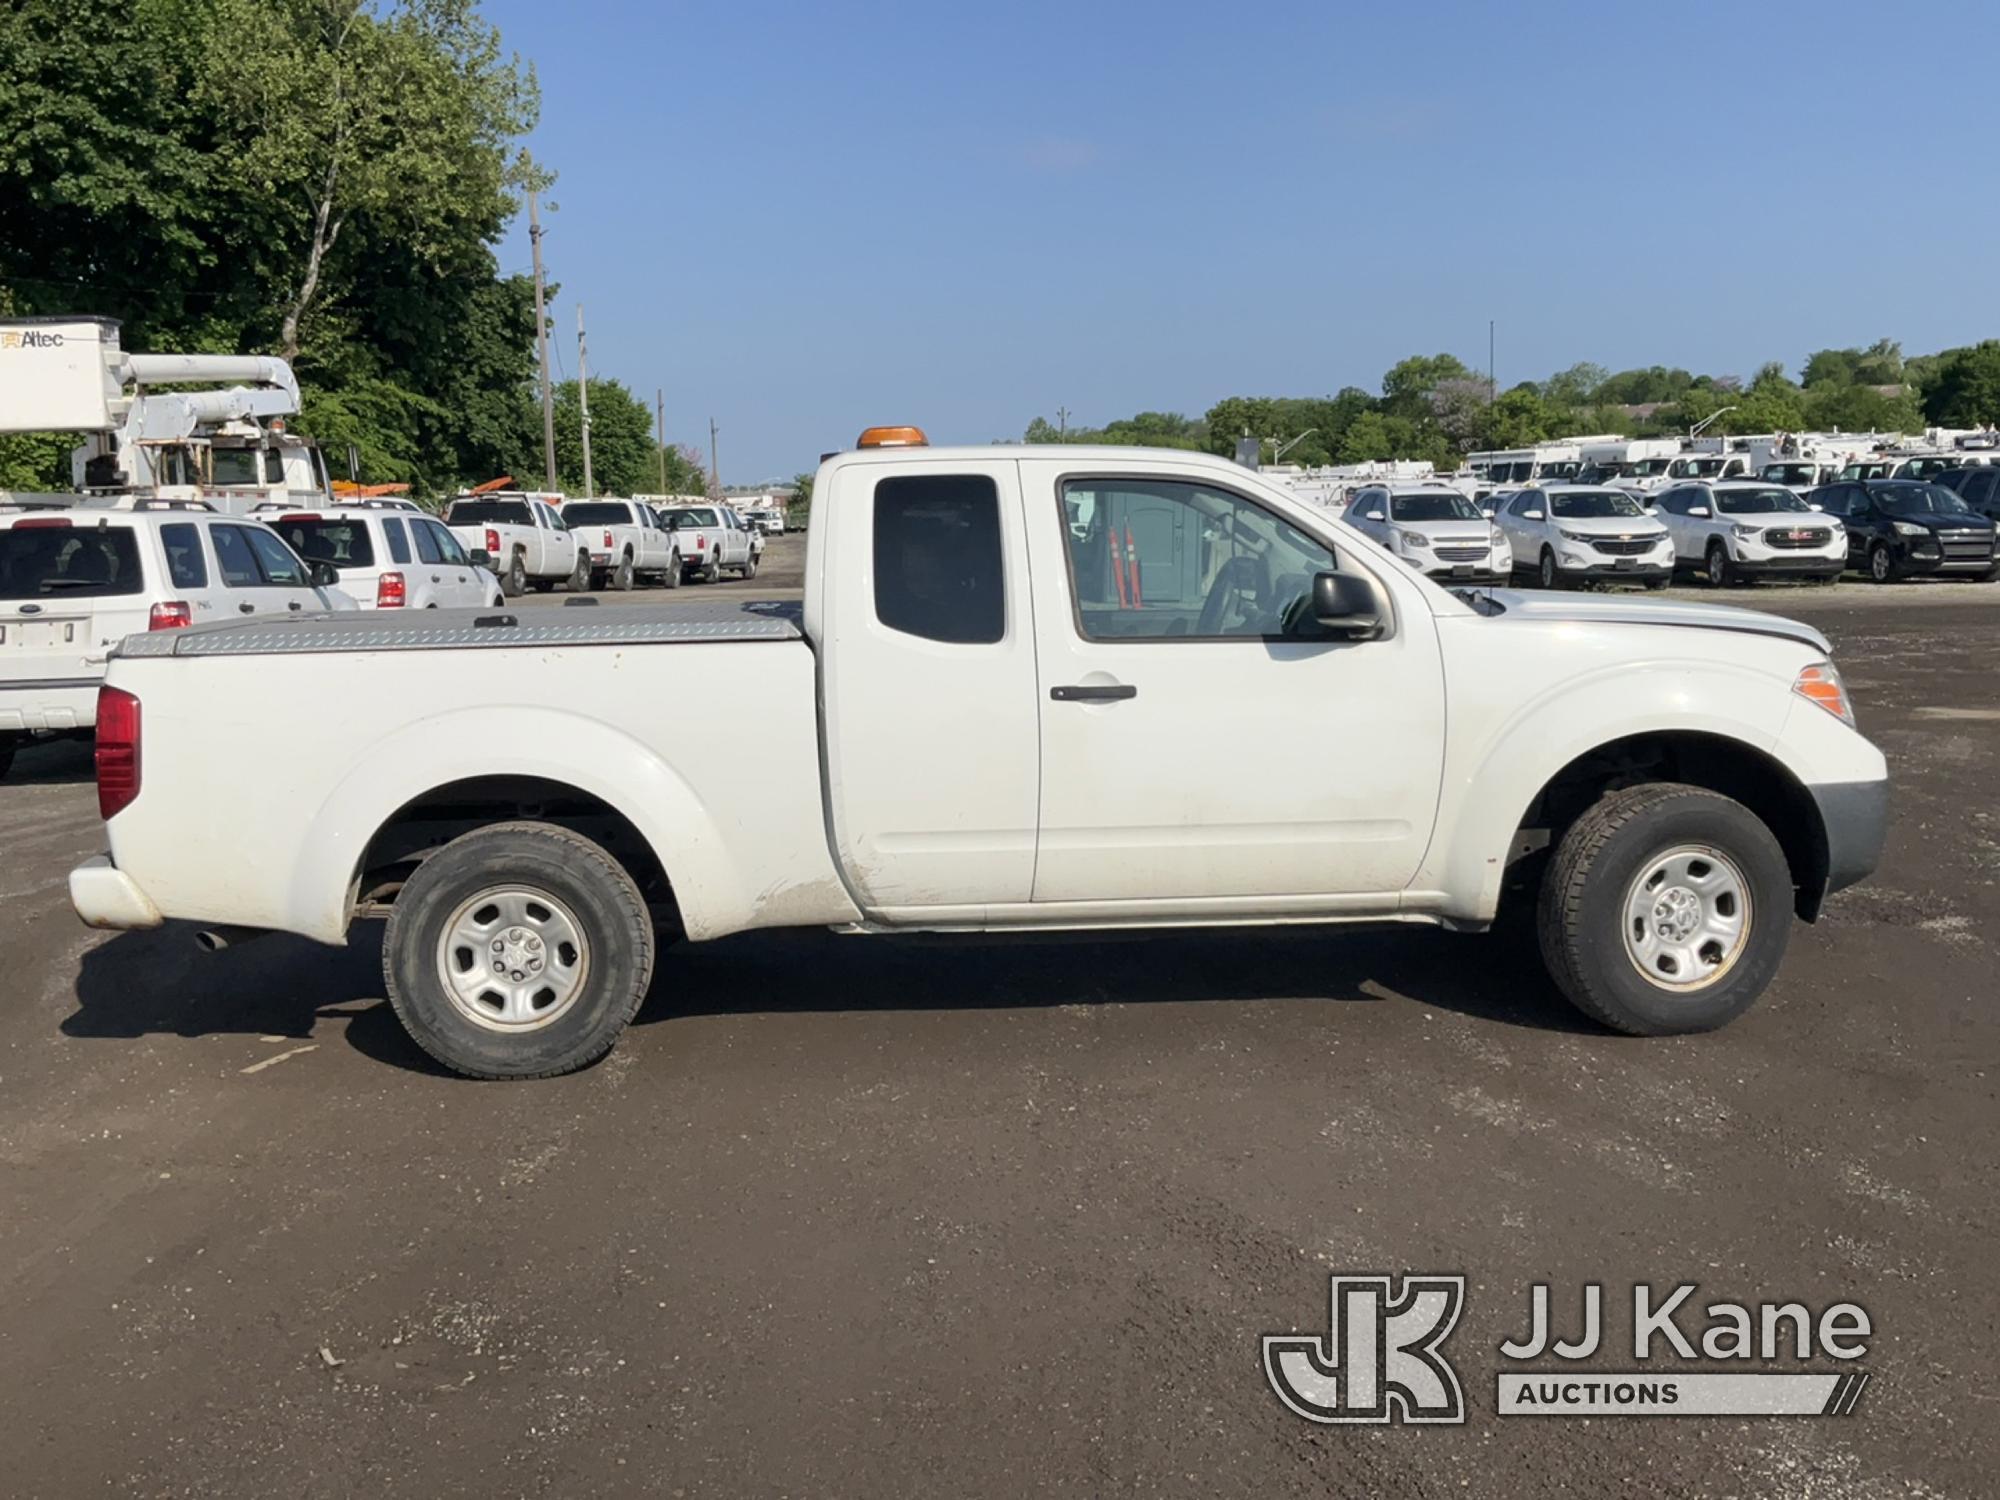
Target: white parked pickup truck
[(1102, 688), (525, 541), (627, 541)]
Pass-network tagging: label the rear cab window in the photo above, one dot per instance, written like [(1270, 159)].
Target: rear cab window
[(44, 561), (938, 570)]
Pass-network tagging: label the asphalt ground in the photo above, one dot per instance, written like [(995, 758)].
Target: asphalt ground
[(843, 1217)]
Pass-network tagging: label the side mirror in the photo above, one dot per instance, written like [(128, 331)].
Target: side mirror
[(1700, 512), (1811, 506), (1533, 515), (481, 558), (1371, 515), (1346, 605), (324, 575)]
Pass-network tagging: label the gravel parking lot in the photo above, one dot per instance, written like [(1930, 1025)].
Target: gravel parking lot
[(906, 1217)]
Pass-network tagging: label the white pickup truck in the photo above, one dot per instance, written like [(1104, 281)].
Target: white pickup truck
[(1102, 688), (525, 539), (627, 541)]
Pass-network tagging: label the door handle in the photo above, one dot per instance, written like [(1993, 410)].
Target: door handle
[(246, 609), (295, 607), (1108, 692)]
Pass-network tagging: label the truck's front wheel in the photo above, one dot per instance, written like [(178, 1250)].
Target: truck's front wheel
[(518, 951), (1665, 909)]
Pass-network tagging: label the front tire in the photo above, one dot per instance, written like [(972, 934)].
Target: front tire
[(1666, 909), (579, 576), (521, 950), (1548, 575), (750, 569), (1882, 564), (1715, 571), (672, 577)]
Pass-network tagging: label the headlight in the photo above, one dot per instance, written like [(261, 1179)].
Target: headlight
[(1910, 528), (1413, 538), (1746, 533), (1574, 536), (1498, 539)]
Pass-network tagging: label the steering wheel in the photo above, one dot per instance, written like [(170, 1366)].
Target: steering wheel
[(1238, 575)]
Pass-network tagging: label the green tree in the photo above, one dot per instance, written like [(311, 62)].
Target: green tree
[(1368, 438), (1406, 389), (623, 455), (1520, 417), (799, 512), (1966, 390)]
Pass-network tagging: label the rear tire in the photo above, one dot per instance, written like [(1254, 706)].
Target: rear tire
[(514, 582), (621, 576), (590, 908), (1650, 952), (6, 759)]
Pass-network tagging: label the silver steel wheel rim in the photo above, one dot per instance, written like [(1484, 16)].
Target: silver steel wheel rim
[(1878, 563), (1718, 565), (513, 959), (1687, 917)]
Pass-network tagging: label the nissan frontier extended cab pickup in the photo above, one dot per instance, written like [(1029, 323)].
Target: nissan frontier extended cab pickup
[(1091, 688)]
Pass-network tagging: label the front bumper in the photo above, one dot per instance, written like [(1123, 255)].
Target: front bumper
[(1617, 567), (105, 896), (1934, 561), (1855, 816), (1813, 564), (48, 706)]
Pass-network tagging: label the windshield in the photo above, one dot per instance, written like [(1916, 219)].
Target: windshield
[(1441, 507), (345, 544), (599, 513), (235, 466), (479, 512), (1566, 470), (1925, 468), (38, 561), (1912, 499), (1758, 502), (1865, 471), (1648, 468), (1595, 504), (1789, 473), (678, 519)]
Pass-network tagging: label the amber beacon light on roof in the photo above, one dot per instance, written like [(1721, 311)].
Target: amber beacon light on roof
[(893, 437)]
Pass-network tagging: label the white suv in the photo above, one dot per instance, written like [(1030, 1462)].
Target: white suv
[(76, 581), (1572, 533), (1435, 530), (1747, 529), (390, 559)]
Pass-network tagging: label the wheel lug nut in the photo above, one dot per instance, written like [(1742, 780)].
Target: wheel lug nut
[(498, 946)]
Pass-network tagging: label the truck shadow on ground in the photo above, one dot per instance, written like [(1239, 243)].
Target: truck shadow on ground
[(160, 983)]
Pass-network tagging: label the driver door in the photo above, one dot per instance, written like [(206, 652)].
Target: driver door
[(1193, 752)]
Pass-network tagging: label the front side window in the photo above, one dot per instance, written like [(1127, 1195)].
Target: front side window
[(937, 558), (447, 545), (1167, 559), (281, 565), (234, 557), (186, 567)]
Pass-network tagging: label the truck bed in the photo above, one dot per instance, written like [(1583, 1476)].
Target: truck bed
[(480, 629)]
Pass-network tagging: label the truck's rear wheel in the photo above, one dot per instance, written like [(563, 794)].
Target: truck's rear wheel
[(518, 951), (621, 576), (514, 582), (1665, 909), (6, 757)]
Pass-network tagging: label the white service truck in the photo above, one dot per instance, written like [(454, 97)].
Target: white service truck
[(524, 538), (1101, 688), (628, 542)]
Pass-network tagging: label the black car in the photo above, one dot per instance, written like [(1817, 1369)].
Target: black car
[(1978, 487), (1897, 528)]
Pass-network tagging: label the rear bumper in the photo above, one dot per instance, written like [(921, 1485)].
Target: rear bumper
[(48, 706), (105, 896), (1855, 815)]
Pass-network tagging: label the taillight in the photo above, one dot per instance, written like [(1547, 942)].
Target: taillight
[(170, 614), (701, 544), (492, 542), (607, 541), (117, 751), (389, 591)]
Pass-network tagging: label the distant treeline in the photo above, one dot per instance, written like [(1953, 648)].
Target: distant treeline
[(1435, 407)]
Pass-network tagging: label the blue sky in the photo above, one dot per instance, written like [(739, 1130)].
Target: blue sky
[(805, 218)]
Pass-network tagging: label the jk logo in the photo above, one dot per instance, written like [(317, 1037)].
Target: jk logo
[(1379, 1361)]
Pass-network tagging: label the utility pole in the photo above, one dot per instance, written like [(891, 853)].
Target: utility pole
[(583, 400), (542, 344), (714, 468), (660, 403), (1491, 389), (1062, 421)]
